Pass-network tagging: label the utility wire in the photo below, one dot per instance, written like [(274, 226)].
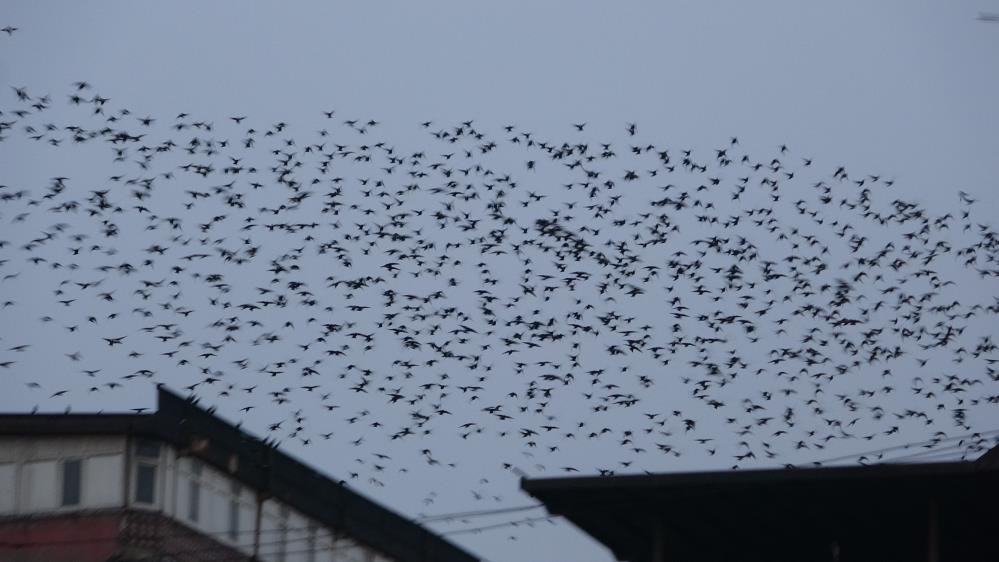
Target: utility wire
[(963, 448), (16, 545), (173, 534), (479, 513), (909, 445), (498, 525), (442, 517)]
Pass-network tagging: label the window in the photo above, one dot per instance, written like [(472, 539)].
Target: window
[(147, 455), (71, 470), (194, 491), (145, 483), (234, 511)]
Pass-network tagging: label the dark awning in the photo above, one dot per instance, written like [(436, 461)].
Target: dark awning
[(880, 512)]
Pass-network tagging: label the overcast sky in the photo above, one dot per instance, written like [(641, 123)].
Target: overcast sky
[(905, 89)]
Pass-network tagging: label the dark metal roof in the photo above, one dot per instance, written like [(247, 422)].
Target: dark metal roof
[(784, 514), (196, 431)]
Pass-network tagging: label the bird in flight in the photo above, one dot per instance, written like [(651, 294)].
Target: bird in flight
[(563, 301)]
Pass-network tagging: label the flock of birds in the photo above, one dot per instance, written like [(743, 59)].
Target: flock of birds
[(619, 302)]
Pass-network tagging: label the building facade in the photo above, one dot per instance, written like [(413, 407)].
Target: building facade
[(182, 485)]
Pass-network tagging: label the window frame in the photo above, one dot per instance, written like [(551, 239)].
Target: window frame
[(147, 458), (194, 490), (78, 462), (154, 469), (235, 490)]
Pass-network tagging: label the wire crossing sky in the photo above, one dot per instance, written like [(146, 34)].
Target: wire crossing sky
[(431, 249)]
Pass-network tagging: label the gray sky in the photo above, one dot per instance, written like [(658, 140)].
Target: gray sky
[(901, 89)]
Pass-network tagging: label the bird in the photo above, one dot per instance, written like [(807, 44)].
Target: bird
[(594, 305)]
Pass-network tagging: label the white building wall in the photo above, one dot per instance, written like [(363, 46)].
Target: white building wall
[(247, 519), (102, 481), (182, 495), (39, 480), (298, 537), (31, 483), (31, 472), (271, 525), (20, 449), (346, 550), (324, 545)]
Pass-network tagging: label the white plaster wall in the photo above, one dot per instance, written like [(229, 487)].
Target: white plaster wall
[(270, 522), (346, 551), (32, 481), (324, 545), (212, 518), (215, 495), (182, 490), (298, 534), (102, 481), (247, 517), (20, 449), (221, 497), (42, 486)]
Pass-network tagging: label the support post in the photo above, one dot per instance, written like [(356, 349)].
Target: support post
[(126, 483), (257, 518), (933, 532), (658, 540)]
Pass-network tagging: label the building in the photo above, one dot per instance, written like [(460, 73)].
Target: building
[(182, 485), (889, 512)]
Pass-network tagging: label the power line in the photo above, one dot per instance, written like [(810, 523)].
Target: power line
[(934, 456), (498, 525), (283, 541), (229, 533), (908, 445), (17, 545), (963, 448), (483, 512), (9, 545), (173, 534), (243, 557)]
